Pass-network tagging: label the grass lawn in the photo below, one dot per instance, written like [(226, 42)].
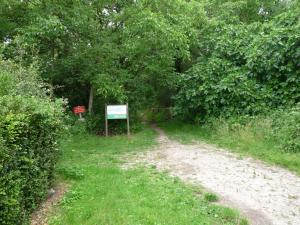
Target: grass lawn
[(245, 142), (101, 193)]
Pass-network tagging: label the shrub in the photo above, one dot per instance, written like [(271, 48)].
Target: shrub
[(29, 131), (17, 80), (30, 126), (242, 70)]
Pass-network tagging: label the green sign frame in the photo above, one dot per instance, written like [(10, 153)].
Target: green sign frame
[(116, 117)]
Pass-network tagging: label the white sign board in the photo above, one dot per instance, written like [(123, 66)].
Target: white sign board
[(116, 112)]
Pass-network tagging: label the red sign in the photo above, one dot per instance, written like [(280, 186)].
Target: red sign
[(79, 109)]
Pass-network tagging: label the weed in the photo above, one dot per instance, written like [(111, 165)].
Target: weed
[(211, 197)]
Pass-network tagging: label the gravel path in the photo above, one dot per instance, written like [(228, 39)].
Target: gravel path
[(264, 194)]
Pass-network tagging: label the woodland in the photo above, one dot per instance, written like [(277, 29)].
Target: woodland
[(218, 64)]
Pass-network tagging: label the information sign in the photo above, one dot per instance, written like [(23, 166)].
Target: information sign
[(116, 112)]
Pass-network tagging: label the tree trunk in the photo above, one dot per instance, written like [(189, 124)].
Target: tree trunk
[(91, 99)]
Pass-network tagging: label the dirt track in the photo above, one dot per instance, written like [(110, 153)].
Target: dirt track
[(264, 194)]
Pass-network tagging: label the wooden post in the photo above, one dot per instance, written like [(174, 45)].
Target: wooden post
[(106, 121), (91, 99), (128, 128)]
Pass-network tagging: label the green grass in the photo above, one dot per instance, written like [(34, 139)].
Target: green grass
[(246, 140), (101, 193)]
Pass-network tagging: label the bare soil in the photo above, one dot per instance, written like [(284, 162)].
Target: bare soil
[(264, 194), (40, 216)]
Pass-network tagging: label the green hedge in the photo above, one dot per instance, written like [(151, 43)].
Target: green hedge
[(29, 129), (30, 125)]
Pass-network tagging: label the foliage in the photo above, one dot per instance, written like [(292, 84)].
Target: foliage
[(101, 45), (17, 80), (286, 129), (242, 69), (241, 56), (246, 11), (30, 126), (214, 88)]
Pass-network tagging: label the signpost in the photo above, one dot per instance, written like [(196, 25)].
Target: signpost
[(116, 112), (78, 110)]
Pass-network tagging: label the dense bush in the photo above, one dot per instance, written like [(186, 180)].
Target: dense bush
[(30, 126), (216, 87), (242, 69)]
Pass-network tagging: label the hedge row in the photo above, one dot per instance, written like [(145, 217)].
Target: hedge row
[(29, 129)]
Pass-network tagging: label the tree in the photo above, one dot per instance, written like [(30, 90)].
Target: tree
[(116, 50)]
